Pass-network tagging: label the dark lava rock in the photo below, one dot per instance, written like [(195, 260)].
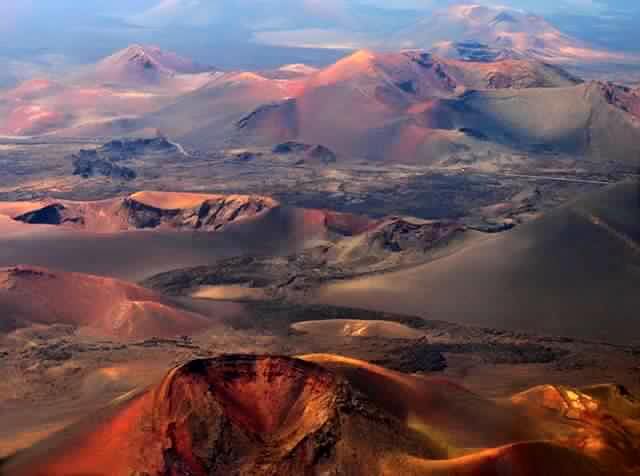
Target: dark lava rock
[(91, 167), (104, 160), (494, 227), (246, 156), (58, 352), (504, 353), (322, 154), (54, 214), (124, 149), (401, 235), (291, 147), (476, 134), (416, 357)]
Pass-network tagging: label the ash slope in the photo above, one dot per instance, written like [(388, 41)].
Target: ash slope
[(412, 107), (381, 246), (275, 415), (90, 305), (575, 272), (381, 87)]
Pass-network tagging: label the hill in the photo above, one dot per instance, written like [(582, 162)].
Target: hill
[(571, 272), (140, 65), (92, 305), (389, 106)]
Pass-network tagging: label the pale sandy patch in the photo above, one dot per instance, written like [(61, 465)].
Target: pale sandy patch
[(229, 293)]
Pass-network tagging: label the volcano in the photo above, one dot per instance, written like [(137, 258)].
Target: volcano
[(271, 415)]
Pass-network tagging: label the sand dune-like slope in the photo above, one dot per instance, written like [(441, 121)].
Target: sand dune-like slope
[(573, 272), (593, 119), (345, 246), (241, 414), (569, 418), (93, 305)]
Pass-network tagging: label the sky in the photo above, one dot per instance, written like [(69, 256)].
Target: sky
[(50, 34)]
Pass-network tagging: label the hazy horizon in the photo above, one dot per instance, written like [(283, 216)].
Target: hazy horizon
[(43, 37)]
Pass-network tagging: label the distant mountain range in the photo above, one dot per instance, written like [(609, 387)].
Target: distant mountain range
[(410, 106)]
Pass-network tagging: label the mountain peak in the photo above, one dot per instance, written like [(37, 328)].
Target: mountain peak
[(502, 28), (145, 63)]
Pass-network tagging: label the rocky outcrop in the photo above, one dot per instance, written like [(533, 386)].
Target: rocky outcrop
[(622, 97), (398, 235), (210, 215), (126, 148), (320, 153), (435, 65), (54, 214), (104, 161), (480, 52), (309, 153), (163, 210), (90, 167), (291, 147)]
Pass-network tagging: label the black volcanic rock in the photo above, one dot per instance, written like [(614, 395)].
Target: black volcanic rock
[(474, 51), (103, 160), (314, 153), (322, 154), (54, 214), (399, 235), (90, 167), (291, 147), (123, 149)]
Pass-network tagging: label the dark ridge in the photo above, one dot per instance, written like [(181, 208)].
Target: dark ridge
[(407, 86), (54, 214), (476, 134), (257, 113), (291, 147), (504, 17)]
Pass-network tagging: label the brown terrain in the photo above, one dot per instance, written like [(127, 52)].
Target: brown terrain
[(91, 304), (582, 257), (421, 108), (422, 261), (213, 416), (410, 107)]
